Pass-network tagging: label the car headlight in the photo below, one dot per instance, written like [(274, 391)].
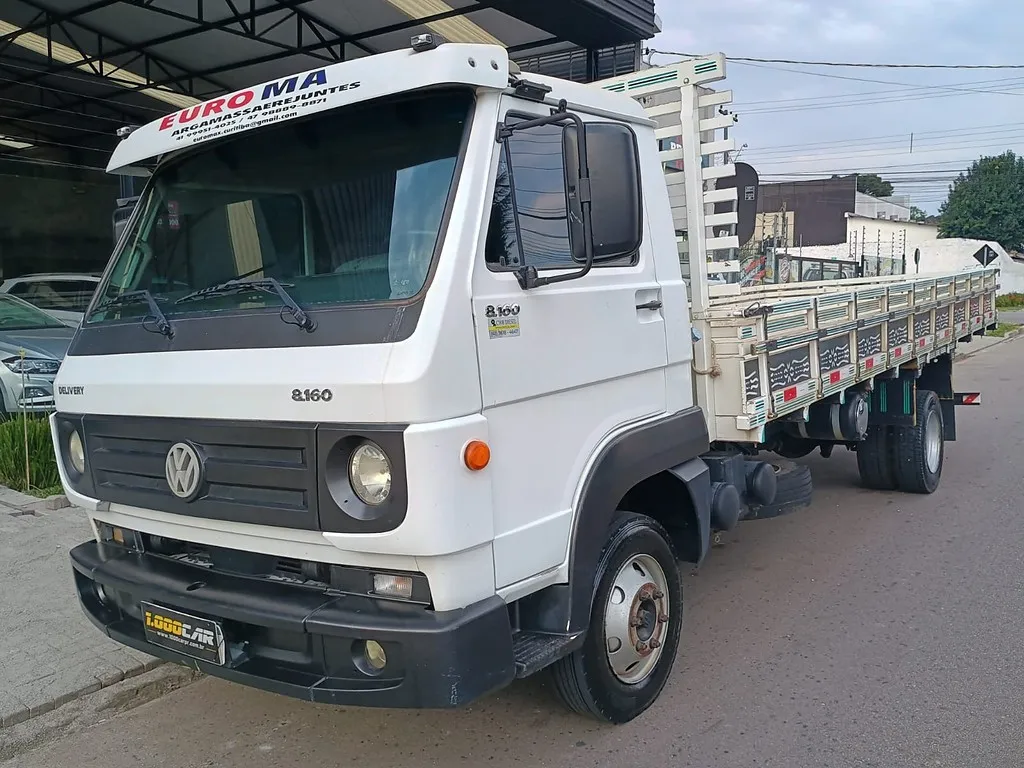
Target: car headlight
[(369, 472), (76, 452), (32, 365)]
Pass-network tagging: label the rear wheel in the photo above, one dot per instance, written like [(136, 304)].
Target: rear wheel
[(876, 459), (920, 449), (635, 623)]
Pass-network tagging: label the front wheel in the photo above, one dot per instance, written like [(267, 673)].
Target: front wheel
[(635, 623)]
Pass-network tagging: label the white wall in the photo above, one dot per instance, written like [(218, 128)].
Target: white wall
[(876, 207), (954, 254), (888, 238)]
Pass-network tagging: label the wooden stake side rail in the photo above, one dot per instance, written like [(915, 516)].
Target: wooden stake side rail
[(776, 353)]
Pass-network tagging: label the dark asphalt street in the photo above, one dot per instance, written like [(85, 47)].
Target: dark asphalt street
[(870, 630)]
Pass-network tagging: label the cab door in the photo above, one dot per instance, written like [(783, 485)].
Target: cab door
[(562, 366)]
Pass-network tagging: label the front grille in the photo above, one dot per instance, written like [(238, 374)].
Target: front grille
[(287, 569), (252, 473)]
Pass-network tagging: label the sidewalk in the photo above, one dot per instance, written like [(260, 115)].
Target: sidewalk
[(49, 652), (981, 343)]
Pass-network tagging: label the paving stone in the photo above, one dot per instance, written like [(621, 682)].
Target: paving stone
[(49, 651)]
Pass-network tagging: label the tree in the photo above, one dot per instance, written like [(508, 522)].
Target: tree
[(987, 202), (916, 214), (873, 184)]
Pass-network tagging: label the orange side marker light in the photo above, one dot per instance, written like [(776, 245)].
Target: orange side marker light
[(477, 455)]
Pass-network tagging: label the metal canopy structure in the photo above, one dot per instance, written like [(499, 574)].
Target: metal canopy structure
[(73, 71)]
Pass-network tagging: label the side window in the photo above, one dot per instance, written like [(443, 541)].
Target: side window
[(530, 219), (42, 294), (77, 292)]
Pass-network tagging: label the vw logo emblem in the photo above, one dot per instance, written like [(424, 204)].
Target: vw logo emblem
[(183, 470)]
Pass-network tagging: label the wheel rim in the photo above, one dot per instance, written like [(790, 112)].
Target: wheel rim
[(636, 619), (932, 441)]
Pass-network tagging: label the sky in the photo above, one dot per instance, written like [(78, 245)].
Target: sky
[(804, 121)]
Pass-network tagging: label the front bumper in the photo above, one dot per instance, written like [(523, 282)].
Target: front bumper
[(299, 642), (33, 394)]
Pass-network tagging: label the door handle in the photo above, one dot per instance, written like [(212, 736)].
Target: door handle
[(652, 305)]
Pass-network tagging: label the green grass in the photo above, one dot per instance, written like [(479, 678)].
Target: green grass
[(1002, 329), (43, 478), (1010, 301)]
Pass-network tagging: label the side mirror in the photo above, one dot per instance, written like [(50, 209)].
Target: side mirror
[(616, 212), (598, 170), (577, 195)]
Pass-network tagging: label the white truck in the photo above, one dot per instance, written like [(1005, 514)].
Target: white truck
[(395, 390)]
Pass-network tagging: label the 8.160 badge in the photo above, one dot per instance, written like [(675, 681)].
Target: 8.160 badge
[(502, 320)]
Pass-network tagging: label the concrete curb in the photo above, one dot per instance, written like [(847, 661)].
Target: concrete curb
[(22, 715), (22, 503), (1008, 337)]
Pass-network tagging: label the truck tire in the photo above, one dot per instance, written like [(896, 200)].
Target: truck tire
[(920, 449), (794, 447), (635, 623), (793, 490), (876, 459)]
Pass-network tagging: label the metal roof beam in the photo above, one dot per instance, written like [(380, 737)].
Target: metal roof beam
[(150, 61), (184, 80), (425, 21), (340, 38), (224, 25), (53, 18), (320, 45), (94, 108)]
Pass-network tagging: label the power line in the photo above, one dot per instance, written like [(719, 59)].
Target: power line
[(918, 136), (866, 152), (846, 103), (829, 76), (96, 78), (864, 65), (875, 93), (43, 161)]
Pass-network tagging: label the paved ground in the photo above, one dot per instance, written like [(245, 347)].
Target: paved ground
[(870, 630), (1011, 316), (49, 652)]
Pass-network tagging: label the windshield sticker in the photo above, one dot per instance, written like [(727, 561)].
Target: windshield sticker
[(253, 107), (173, 222)]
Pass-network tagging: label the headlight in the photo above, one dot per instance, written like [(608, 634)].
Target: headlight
[(32, 365), (369, 472), (76, 452)]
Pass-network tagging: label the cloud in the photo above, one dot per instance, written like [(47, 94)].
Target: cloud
[(841, 27)]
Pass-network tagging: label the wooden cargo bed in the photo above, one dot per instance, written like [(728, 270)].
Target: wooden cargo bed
[(777, 350)]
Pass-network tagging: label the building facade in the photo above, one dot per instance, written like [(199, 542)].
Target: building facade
[(818, 207)]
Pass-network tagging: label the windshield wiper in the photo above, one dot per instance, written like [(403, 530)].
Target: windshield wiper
[(263, 284), (163, 325)]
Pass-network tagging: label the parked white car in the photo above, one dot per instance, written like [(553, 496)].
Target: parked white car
[(63, 295), (32, 346)]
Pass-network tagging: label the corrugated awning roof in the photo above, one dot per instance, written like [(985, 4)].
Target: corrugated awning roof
[(72, 71)]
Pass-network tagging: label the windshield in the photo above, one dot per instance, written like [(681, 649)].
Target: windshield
[(343, 209), (17, 315)]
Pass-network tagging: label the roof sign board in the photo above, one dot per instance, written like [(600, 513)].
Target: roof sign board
[(307, 93)]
